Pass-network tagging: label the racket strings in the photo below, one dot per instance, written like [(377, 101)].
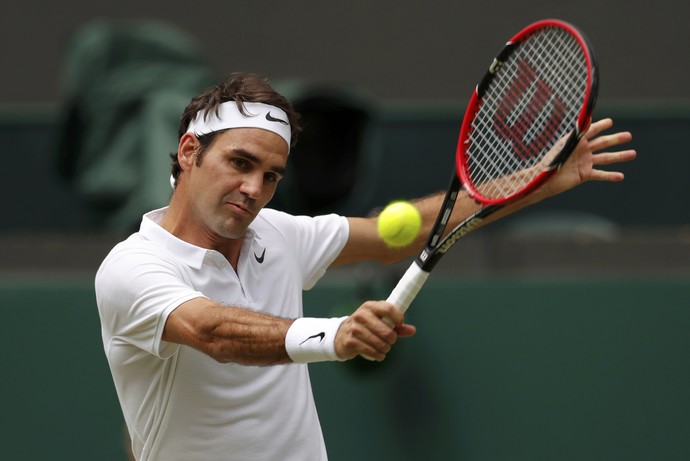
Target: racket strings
[(533, 101)]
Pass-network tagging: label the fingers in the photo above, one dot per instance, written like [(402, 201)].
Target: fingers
[(405, 330), (603, 175), (367, 331), (608, 141), (609, 158), (583, 165), (598, 127), (598, 143)]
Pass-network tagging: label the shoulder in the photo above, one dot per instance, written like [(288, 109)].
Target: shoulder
[(133, 257), (301, 231), (133, 248), (271, 219)]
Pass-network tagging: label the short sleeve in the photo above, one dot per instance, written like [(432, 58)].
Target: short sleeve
[(315, 242), (136, 290)]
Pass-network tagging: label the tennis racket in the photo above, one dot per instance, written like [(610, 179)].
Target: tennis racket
[(523, 121)]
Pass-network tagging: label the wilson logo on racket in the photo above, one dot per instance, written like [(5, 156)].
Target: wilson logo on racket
[(466, 229), (526, 103), (526, 147)]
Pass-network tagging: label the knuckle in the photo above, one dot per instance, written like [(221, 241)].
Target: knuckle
[(350, 343), (357, 316)]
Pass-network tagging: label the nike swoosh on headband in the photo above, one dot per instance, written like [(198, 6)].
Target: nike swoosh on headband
[(270, 118), (258, 115)]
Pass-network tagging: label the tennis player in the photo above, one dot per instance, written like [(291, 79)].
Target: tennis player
[(201, 309)]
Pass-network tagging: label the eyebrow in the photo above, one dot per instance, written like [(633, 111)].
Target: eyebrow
[(254, 159)]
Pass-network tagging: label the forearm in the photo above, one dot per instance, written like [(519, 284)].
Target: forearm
[(582, 166), (229, 334), (250, 338), (365, 244), (236, 335)]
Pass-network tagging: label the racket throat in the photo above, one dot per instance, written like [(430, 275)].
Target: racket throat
[(429, 257), (446, 210)]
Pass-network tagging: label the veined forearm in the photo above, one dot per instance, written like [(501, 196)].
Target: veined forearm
[(229, 334)]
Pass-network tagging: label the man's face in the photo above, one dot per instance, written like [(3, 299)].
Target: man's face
[(236, 178)]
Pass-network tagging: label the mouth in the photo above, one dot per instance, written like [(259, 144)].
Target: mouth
[(240, 208)]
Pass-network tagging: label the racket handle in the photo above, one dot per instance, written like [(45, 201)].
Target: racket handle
[(405, 291), (407, 288)]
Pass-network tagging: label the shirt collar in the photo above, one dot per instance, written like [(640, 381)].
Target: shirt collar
[(186, 252)]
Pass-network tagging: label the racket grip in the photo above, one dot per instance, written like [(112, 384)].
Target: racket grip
[(405, 291), (407, 288)]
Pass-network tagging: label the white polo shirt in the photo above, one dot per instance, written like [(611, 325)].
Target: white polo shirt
[(180, 404)]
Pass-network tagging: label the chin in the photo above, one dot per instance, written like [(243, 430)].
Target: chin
[(232, 230)]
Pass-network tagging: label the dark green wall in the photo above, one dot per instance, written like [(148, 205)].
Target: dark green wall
[(522, 370), (500, 369), (411, 154), (58, 400)]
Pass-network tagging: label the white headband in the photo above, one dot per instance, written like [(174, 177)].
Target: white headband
[(260, 115)]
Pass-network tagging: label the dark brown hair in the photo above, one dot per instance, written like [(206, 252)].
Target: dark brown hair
[(239, 87)]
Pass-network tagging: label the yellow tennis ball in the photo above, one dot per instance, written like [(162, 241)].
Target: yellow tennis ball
[(399, 224)]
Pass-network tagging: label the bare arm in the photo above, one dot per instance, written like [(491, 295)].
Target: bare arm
[(228, 334), (582, 166), (237, 335)]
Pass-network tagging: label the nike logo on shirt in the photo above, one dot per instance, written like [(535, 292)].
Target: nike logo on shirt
[(260, 259)]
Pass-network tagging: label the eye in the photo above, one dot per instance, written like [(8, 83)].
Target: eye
[(271, 177), (240, 163)]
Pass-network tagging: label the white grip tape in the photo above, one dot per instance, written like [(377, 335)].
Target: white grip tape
[(312, 339), (407, 288), (405, 291)]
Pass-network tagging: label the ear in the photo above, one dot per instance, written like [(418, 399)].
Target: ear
[(186, 151)]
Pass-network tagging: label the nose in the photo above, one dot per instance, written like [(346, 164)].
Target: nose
[(252, 185)]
